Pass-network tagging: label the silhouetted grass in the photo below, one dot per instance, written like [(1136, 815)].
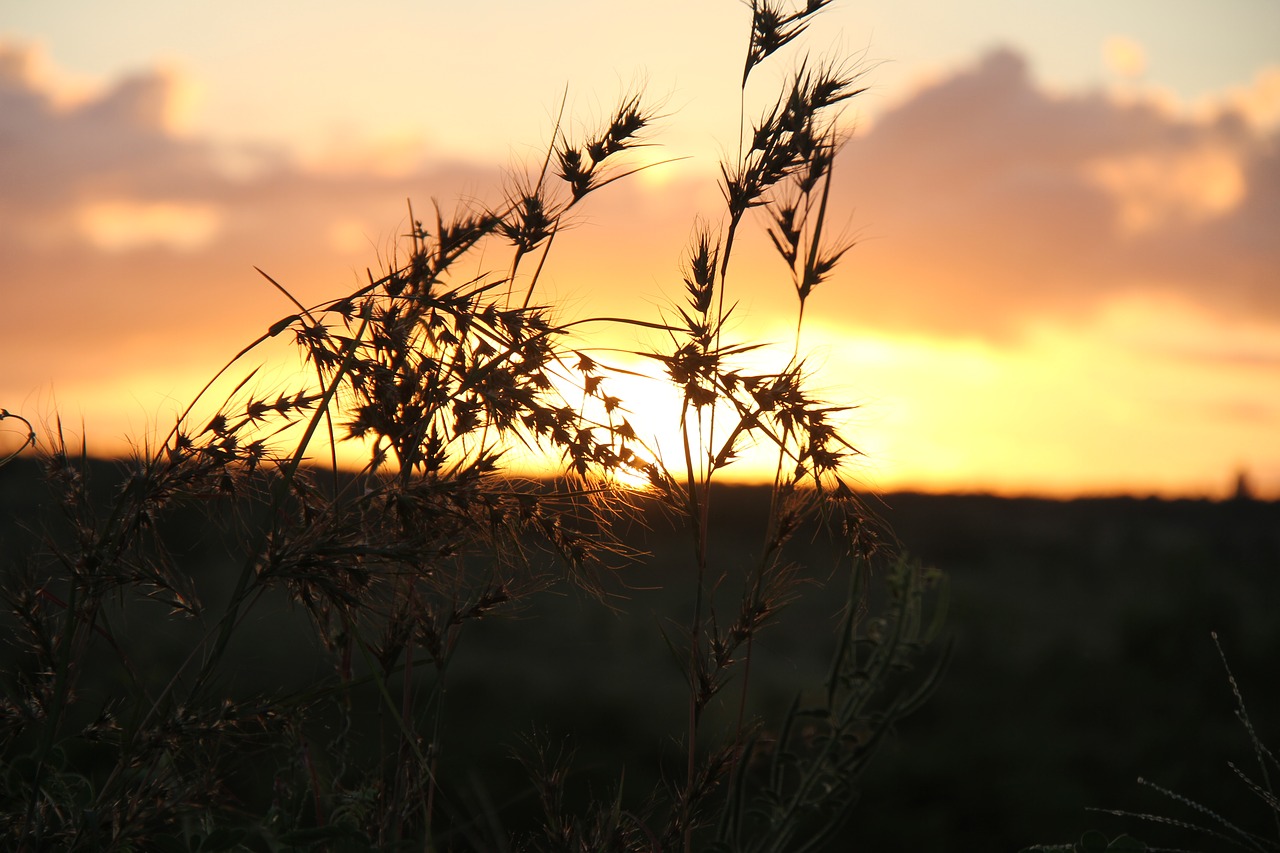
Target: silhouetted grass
[(1191, 821), (148, 706)]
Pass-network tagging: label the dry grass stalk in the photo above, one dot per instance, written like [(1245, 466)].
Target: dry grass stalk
[(439, 375)]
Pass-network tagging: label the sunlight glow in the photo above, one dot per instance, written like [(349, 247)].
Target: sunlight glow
[(990, 331), (121, 225), (1153, 189), (1124, 57), (349, 235)]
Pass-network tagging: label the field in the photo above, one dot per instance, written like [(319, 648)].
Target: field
[(1080, 659)]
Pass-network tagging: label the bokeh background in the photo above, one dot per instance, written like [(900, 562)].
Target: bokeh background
[(1066, 284), (1066, 279)]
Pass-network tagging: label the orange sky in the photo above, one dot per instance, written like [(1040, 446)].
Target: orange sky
[(1059, 287)]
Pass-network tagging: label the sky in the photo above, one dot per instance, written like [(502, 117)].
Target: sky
[(1066, 277)]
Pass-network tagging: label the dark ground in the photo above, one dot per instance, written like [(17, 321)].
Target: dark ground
[(1081, 660)]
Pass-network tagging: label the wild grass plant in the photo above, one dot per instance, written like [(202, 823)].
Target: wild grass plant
[(1194, 822), (440, 374)]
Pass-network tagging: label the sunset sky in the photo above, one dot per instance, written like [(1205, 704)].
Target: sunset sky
[(1067, 272)]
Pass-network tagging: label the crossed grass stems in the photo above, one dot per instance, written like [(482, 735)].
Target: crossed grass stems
[(439, 374)]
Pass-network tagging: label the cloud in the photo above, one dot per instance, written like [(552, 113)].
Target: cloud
[(124, 225), (988, 210), (1156, 189), (1125, 57), (990, 202), (983, 203), (118, 139), (1258, 102), (124, 244)]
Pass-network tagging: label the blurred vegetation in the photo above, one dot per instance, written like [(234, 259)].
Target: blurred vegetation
[(1081, 660), (212, 645), (309, 661)]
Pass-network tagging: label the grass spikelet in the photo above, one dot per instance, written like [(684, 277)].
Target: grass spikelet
[(437, 372)]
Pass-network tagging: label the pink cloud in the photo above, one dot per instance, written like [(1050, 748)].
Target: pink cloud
[(985, 207), (994, 201)]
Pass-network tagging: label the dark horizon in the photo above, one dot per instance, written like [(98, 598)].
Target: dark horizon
[(1243, 490)]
